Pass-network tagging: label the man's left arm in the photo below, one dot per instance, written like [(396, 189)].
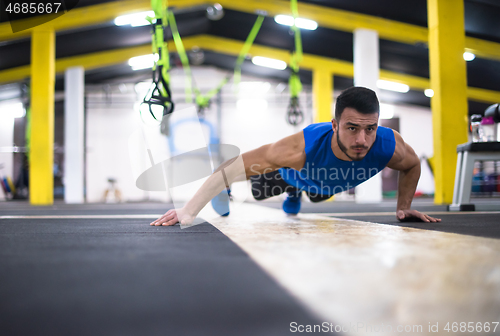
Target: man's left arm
[(408, 164)]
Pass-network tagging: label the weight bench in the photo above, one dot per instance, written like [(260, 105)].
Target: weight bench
[(468, 154)]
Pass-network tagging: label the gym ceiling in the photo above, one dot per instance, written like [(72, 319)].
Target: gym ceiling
[(87, 35)]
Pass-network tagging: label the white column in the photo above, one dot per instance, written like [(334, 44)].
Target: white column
[(7, 111), (73, 135), (366, 73)]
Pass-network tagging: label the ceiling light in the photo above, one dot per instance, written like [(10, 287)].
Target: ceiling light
[(287, 20), (12, 110), (306, 24), (429, 93), (143, 62), (468, 56), (392, 86), (269, 62), (135, 20)]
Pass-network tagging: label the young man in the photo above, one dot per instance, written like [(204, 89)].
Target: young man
[(323, 159)]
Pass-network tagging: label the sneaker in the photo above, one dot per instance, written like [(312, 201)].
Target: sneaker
[(292, 203), (220, 203)]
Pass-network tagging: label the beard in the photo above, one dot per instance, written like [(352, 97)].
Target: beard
[(344, 149)]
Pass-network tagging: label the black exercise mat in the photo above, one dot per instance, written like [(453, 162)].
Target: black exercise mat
[(23, 208), (351, 206), (480, 225), (123, 277)]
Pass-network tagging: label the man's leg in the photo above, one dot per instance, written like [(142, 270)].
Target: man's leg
[(315, 198), (268, 185), (272, 184)]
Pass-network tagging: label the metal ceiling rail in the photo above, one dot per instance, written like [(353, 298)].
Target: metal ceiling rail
[(324, 16), (233, 47)]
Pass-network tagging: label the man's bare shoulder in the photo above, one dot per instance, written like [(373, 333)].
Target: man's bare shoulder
[(404, 156), (289, 151), (399, 151)]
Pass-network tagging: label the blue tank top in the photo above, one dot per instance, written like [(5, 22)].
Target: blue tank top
[(324, 174)]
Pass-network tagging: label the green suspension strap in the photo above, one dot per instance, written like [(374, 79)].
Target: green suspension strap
[(203, 101), (182, 54), (246, 48), (159, 97), (294, 114)]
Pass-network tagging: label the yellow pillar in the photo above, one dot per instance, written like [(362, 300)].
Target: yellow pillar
[(322, 95), (449, 82), (42, 117)]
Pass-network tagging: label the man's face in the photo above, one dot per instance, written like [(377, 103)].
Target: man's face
[(356, 132)]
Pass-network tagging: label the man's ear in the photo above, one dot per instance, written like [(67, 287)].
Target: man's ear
[(335, 124)]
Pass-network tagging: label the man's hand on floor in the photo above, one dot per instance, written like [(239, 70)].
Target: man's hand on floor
[(173, 216), (415, 216)]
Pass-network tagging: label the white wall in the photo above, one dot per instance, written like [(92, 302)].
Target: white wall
[(6, 143), (415, 126)]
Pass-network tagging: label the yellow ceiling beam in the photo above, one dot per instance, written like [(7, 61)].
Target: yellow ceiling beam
[(88, 61), (233, 47), (483, 48), (326, 17), (89, 16), (483, 95), (102, 59), (349, 21), (334, 18), (415, 82), (15, 74)]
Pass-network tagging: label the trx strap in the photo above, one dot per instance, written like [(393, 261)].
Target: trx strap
[(246, 48), (294, 114), (159, 97), (203, 101), (182, 54)]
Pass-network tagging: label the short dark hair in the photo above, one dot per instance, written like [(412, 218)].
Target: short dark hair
[(359, 98)]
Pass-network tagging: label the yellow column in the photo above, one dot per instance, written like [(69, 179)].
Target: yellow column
[(42, 117), (322, 95), (449, 82)]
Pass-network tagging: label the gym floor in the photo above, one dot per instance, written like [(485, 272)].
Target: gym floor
[(100, 269)]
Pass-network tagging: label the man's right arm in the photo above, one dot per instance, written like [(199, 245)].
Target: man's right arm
[(287, 152)]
